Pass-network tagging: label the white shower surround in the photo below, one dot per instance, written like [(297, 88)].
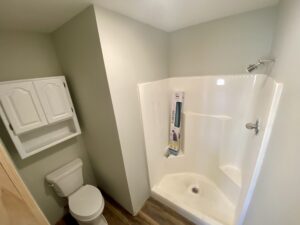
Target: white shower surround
[(219, 155)]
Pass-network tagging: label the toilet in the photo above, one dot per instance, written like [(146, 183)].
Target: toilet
[(85, 201)]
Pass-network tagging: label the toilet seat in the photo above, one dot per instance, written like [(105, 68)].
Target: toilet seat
[(86, 203)]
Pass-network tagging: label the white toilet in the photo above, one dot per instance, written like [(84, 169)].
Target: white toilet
[(85, 201)]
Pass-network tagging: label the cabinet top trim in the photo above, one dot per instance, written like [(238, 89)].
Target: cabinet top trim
[(32, 79)]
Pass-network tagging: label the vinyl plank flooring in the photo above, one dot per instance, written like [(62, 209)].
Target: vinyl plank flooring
[(116, 215), (153, 213), (163, 214)]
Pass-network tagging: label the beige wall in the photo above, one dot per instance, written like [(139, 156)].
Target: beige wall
[(133, 52), (276, 198), (27, 55), (78, 48), (224, 46)]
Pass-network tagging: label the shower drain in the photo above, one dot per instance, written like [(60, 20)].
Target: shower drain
[(195, 190)]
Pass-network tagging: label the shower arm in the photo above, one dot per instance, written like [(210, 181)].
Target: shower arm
[(263, 61), (253, 67)]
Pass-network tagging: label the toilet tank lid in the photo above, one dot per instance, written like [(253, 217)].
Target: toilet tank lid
[(57, 174)]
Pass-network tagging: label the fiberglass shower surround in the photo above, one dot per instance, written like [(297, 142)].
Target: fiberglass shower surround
[(212, 179)]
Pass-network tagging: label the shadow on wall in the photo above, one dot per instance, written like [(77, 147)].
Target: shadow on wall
[(75, 103)]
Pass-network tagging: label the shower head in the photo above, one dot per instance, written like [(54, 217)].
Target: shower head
[(253, 67)]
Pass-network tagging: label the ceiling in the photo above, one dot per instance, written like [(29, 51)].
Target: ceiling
[(168, 15)]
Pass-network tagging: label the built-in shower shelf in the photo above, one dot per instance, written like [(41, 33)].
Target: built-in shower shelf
[(180, 154), (221, 117), (233, 173)]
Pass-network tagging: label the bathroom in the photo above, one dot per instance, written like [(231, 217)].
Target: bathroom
[(122, 63)]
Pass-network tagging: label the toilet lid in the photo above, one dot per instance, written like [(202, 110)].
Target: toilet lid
[(86, 203)]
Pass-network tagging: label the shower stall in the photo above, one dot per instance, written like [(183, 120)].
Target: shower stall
[(212, 179)]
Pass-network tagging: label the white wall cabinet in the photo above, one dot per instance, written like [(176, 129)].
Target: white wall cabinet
[(38, 113), (22, 106), (54, 99)]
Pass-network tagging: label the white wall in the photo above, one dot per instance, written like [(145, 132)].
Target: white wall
[(78, 47), (27, 55), (133, 52), (155, 109), (277, 196), (224, 46)]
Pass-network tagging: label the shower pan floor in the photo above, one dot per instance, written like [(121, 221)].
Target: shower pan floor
[(195, 197)]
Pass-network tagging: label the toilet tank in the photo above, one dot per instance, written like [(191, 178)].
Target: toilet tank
[(67, 179)]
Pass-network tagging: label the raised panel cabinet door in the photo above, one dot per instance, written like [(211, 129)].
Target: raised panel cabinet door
[(22, 106), (54, 98)]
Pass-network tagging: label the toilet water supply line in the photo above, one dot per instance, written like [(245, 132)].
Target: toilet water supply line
[(175, 124)]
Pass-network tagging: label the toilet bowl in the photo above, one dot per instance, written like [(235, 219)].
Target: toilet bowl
[(86, 206), (86, 202)]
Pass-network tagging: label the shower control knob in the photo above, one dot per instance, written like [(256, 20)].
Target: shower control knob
[(253, 126)]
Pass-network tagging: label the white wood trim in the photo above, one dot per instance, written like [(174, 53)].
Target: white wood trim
[(33, 79), (50, 145)]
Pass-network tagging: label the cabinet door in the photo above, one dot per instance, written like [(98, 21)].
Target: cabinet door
[(54, 98), (22, 107)]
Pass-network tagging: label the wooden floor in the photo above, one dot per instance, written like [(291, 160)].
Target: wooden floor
[(153, 213)]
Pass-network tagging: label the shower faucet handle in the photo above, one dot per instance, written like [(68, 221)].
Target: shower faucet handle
[(253, 126)]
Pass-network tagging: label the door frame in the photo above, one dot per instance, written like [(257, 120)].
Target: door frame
[(17, 181)]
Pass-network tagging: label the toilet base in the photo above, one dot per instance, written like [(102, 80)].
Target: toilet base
[(99, 221)]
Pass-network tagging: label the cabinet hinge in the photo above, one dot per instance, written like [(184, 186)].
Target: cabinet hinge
[(11, 127), (72, 109), (64, 84)]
